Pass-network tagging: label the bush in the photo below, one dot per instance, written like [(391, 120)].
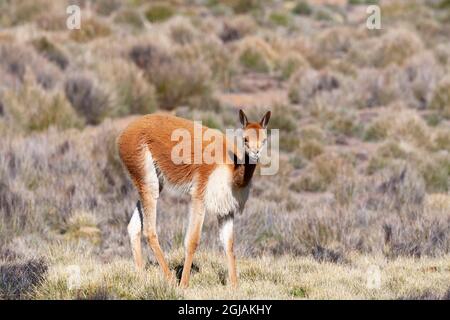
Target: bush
[(302, 8), (256, 55), (181, 30), (87, 98), (16, 59), (376, 88), (90, 29), (435, 170), (130, 92), (280, 19), (176, 81), (310, 149), (34, 109), (291, 63), (305, 85), (237, 28), (17, 281), (51, 52), (129, 17), (441, 97), (159, 13), (395, 47)]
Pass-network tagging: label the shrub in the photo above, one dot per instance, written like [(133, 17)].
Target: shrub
[(441, 97), (237, 27), (90, 30), (129, 17), (309, 181), (106, 7), (176, 80), (435, 170), (34, 109), (51, 52), (305, 85), (407, 125), (131, 93), (395, 47), (17, 281), (311, 148), (291, 63), (442, 140), (181, 30), (313, 132), (418, 79), (289, 142), (256, 55), (244, 6), (16, 59), (159, 13), (376, 88), (87, 98), (82, 225), (302, 8), (280, 19)]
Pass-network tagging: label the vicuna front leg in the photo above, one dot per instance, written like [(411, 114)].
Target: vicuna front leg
[(192, 240), (227, 238)]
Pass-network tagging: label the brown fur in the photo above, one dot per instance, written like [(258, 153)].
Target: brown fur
[(154, 132)]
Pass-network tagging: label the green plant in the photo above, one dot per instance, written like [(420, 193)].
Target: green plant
[(159, 13)]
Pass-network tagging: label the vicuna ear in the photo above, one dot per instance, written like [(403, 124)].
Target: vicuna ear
[(265, 120), (243, 118)]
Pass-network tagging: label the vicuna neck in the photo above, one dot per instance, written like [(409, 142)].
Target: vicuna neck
[(243, 172)]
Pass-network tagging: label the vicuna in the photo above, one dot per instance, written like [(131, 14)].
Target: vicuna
[(220, 188)]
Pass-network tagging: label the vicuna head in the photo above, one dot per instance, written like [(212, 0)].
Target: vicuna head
[(254, 135)]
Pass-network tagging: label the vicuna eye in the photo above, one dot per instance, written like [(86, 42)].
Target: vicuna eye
[(246, 139)]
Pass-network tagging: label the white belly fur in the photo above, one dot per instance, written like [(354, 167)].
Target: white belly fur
[(221, 198)]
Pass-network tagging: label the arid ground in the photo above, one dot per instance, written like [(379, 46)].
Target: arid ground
[(360, 207)]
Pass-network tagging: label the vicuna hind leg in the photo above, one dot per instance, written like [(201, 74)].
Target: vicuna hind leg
[(135, 233), (227, 239), (149, 228), (192, 240)]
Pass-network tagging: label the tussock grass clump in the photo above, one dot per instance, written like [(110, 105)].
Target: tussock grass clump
[(15, 60), (131, 93), (291, 63), (51, 52), (82, 225), (320, 173), (435, 170), (31, 108), (86, 96), (159, 13), (441, 97), (176, 80), (237, 27), (396, 46), (376, 88), (129, 17), (442, 139), (254, 54), (308, 84), (302, 8), (181, 30), (310, 148), (407, 125), (90, 30), (18, 281)]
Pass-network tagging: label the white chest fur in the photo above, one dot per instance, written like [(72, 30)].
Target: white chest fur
[(221, 198)]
